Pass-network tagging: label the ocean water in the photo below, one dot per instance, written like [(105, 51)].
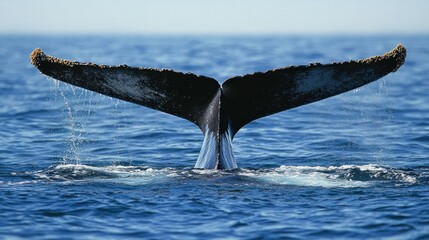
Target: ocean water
[(78, 165)]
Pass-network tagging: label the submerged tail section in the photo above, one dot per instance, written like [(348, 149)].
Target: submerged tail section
[(221, 111)]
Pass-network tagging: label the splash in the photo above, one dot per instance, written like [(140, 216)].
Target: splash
[(346, 176), (130, 175), (74, 125)]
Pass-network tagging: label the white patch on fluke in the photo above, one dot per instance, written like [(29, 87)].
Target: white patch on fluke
[(131, 87)]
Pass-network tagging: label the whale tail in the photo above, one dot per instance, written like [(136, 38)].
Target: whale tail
[(220, 111)]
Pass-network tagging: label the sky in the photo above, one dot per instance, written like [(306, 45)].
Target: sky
[(214, 16)]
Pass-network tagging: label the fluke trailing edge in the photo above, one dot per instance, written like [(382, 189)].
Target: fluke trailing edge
[(220, 111)]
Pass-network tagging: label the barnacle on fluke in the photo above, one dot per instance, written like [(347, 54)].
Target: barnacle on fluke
[(220, 111)]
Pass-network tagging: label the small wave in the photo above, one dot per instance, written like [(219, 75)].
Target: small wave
[(346, 176), (421, 139)]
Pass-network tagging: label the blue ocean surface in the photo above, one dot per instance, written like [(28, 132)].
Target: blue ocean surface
[(78, 165)]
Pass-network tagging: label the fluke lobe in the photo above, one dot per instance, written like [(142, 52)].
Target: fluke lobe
[(220, 111)]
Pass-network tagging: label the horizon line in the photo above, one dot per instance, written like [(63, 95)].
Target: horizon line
[(325, 33)]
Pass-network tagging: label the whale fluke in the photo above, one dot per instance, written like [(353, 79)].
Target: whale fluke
[(220, 111), (261, 94), (183, 95)]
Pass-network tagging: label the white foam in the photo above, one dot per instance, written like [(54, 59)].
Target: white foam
[(124, 174), (305, 176), (330, 176), (345, 176)]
